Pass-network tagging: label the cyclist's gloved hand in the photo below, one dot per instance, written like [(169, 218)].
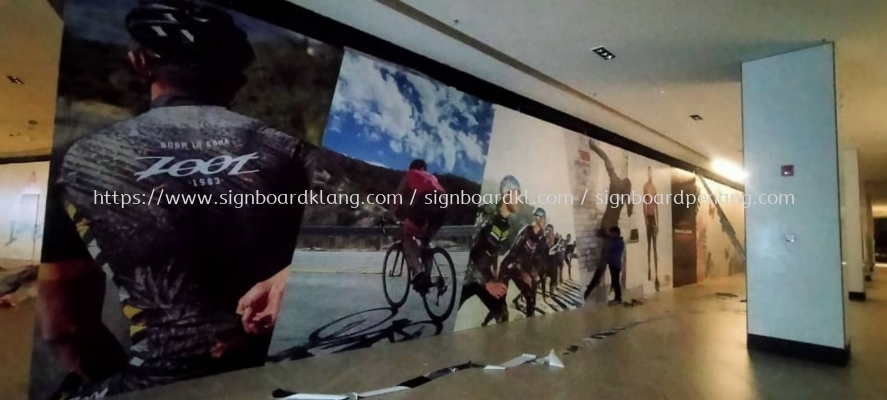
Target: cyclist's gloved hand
[(389, 219)]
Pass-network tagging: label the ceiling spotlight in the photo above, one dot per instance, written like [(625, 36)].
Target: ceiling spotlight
[(15, 80), (603, 53), (696, 117)]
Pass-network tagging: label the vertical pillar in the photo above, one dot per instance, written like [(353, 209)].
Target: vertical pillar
[(868, 237), (851, 224), (795, 284)]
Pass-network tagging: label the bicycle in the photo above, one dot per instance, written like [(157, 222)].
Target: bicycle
[(440, 297)]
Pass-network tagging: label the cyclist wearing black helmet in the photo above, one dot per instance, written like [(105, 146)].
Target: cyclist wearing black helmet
[(521, 262), (491, 241), (200, 285)]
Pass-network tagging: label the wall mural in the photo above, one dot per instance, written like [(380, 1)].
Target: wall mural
[(150, 103), (709, 236)]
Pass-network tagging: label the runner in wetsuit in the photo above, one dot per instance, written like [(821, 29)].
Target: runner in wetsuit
[(569, 248), (482, 277), (200, 284), (541, 259), (520, 263), (557, 254), (551, 256), (651, 223)]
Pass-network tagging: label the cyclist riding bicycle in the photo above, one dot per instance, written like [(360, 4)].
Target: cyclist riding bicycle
[(520, 263), (421, 220), (482, 278)]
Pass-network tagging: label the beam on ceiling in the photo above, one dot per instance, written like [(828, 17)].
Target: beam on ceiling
[(439, 26)]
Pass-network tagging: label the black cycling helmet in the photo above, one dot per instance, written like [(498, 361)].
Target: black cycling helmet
[(508, 183), (540, 212), (189, 34)]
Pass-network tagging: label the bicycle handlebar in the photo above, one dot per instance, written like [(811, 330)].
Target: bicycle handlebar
[(383, 223)]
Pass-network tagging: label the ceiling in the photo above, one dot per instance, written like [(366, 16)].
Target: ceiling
[(673, 59), (30, 36)]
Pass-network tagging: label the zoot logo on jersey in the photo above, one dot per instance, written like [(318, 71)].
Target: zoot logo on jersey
[(167, 165)]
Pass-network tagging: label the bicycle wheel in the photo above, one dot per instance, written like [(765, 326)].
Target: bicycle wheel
[(441, 297), (395, 276)]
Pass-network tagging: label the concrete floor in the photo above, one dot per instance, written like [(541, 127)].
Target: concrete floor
[(691, 347)]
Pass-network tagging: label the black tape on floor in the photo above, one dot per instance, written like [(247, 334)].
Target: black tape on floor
[(551, 360)]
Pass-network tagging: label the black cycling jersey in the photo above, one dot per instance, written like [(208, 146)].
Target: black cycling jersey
[(181, 269), (526, 247), (488, 244)]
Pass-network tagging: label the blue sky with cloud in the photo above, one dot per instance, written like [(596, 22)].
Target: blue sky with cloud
[(388, 115)]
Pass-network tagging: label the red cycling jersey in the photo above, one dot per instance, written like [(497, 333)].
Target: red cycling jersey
[(422, 182)]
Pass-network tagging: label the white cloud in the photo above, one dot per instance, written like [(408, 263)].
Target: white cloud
[(368, 91), (377, 164), (473, 148)]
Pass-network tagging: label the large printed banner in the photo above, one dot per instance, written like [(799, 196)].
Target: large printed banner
[(438, 211)]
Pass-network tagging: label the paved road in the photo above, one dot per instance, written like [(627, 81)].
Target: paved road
[(344, 288), (335, 301)]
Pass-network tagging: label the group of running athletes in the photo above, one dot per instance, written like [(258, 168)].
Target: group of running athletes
[(533, 257)]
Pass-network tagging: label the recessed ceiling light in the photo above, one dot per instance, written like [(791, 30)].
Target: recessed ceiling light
[(604, 53), (15, 80), (696, 117)]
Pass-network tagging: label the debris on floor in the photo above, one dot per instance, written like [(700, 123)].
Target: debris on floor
[(551, 360), (633, 303)]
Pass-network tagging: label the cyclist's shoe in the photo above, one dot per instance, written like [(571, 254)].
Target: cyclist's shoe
[(489, 318), (499, 318), (421, 283)]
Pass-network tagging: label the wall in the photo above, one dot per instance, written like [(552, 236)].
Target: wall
[(349, 124)]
